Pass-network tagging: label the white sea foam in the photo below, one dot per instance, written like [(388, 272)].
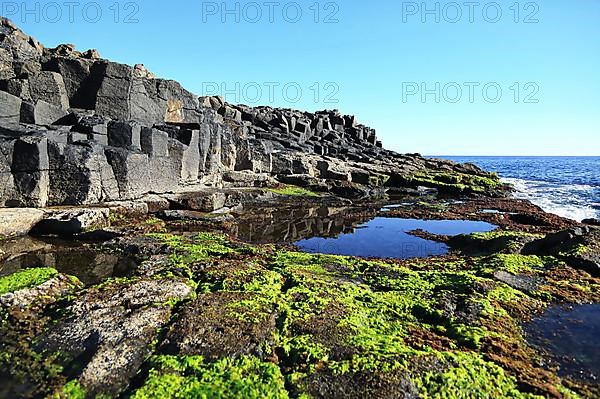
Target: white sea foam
[(570, 201)]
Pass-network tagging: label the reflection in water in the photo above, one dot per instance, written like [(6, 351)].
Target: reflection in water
[(570, 336), (290, 224), (83, 261), (349, 231), (388, 238)]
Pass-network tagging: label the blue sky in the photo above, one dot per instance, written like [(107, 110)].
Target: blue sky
[(371, 59)]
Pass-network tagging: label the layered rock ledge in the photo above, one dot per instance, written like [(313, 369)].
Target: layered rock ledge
[(77, 129)]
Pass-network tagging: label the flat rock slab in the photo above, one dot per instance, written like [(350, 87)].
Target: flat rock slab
[(71, 222), (108, 332), (19, 221)]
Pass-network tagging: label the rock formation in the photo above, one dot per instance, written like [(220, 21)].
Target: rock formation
[(77, 129)]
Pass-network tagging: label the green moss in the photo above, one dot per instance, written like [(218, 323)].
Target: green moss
[(293, 191), (71, 390), (343, 315), (27, 278), (577, 250), (469, 376), (115, 217), (492, 235), (153, 220), (266, 287), (516, 264), (192, 377), (202, 247), (456, 182)]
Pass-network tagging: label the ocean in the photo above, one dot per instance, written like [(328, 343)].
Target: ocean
[(566, 186)]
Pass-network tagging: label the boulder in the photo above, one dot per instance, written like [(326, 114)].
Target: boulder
[(71, 222), (18, 221), (27, 68), (17, 87), (30, 169), (6, 65), (18, 43), (188, 155), (107, 333), (203, 201), (113, 96), (579, 247), (91, 124), (80, 83)]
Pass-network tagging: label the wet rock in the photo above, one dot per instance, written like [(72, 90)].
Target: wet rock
[(358, 385), (108, 332), (18, 222), (483, 245), (591, 222), (140, 247), (203, 201), (183, 215)]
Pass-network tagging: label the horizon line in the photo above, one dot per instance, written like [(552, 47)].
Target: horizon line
[(516, 156)]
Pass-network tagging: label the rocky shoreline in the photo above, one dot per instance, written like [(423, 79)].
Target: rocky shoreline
[(183, 304), (147, 251)]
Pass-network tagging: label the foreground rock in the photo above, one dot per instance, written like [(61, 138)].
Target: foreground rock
[(79, 130), (109, 332), (269, 322), (580, 247), (17, 222)]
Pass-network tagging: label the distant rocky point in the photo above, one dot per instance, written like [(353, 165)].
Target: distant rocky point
[(76, 129)]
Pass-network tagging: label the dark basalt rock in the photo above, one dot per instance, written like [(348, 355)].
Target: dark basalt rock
[(579, 247), (116, 132)]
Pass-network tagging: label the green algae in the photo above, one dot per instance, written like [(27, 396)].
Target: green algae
[(71, 390), (456, 182), (339, 316), (191, 377), (293, 191), (517, 264), (27, 278), (492, 235), (469, 376)]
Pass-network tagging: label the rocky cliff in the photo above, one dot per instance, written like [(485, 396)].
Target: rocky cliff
[(78, 129)]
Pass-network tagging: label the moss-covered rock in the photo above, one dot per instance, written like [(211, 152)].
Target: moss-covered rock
[(25, 279)]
